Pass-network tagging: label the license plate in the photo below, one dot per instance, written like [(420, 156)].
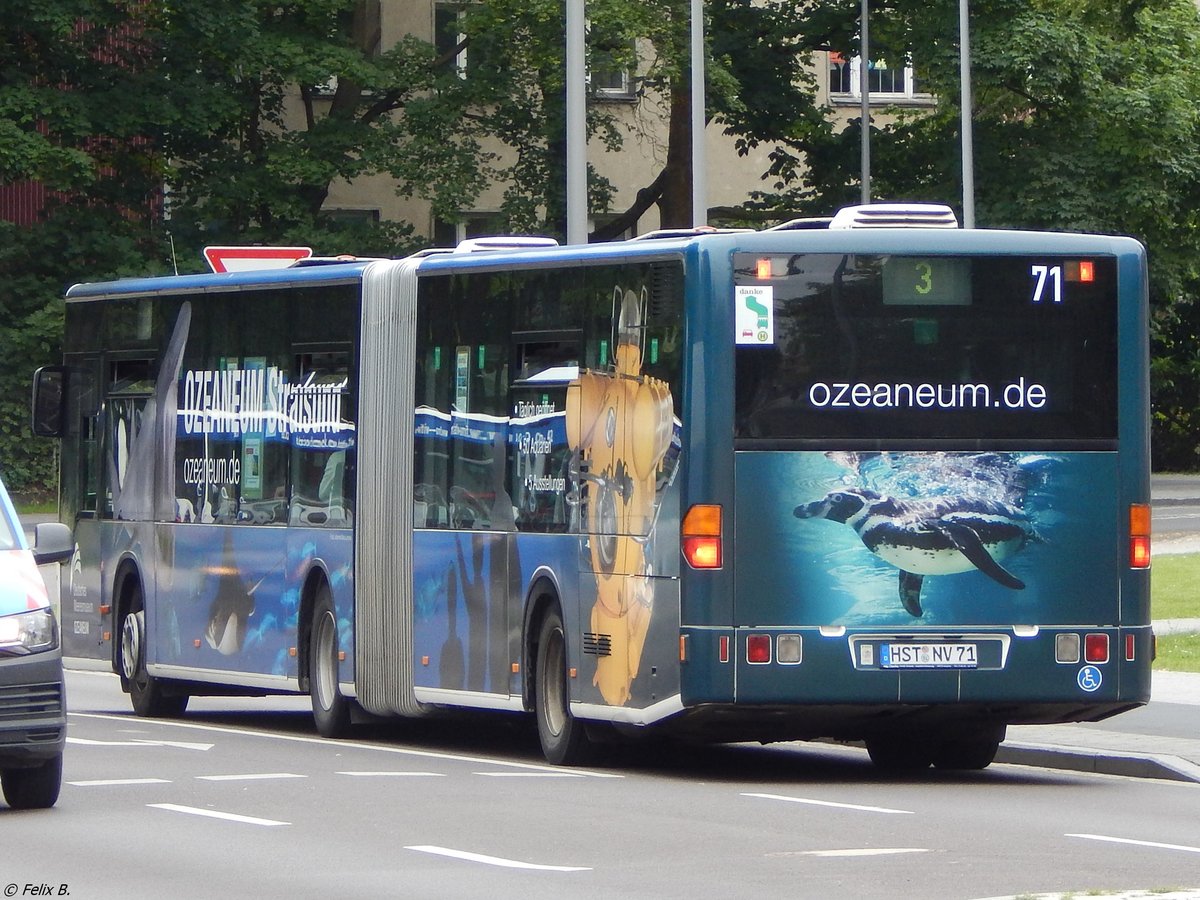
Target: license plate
[(928, 656)]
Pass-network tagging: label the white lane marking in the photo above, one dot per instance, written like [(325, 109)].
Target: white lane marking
[(1117, 840), (354, 745), (104, 782), (260, 776), (395, 774), (495, 860), (137, 742), (530, 774), (854, 806), (865, 851), (215, 814)]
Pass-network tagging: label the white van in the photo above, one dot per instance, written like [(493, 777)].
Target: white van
[(33, 712)]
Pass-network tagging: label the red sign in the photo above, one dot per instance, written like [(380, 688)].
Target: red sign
[(245, 259)]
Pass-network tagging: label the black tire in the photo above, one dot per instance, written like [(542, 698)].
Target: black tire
[(899, 753), (151, 697), (35, 788), (331, 710), (967, 754), (563, 738)]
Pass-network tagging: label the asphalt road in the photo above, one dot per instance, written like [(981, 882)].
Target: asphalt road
[(241, 798)]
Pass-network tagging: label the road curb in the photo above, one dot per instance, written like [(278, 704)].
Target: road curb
[(1104, 762)]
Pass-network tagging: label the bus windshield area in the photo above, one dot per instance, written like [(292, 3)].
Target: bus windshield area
[(851, 347)]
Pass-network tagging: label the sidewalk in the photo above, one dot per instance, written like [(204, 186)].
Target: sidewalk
[(1117, 746)]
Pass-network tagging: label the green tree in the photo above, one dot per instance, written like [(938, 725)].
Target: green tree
[(138, 116), (265, 103), (757, 80), (67, 71), (1084, 118)]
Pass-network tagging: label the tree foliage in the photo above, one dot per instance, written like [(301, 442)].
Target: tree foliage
[(1084, 119), (160, 127)]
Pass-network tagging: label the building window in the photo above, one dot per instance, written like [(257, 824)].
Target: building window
[(612, 84), (359, 215), (448, 37), (888, 82), (609, 74), (472, 225)]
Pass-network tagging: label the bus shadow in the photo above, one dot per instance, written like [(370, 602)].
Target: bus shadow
[(513, 738)]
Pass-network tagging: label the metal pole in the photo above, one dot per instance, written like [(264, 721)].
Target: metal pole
[(968, 139), (864, 86), (576, 74), (699, 164)]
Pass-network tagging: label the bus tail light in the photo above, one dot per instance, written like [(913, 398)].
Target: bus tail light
[(701, 536), (1130, 647), (1095, 648), (758, 649), (1139, 536)]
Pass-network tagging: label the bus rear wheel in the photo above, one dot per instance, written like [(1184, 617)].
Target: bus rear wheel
[(150, 696), (972, 752), (331, 710), (563, 738), (899, 753)]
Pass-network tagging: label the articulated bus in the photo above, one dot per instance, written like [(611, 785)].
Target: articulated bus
[(869, 478)]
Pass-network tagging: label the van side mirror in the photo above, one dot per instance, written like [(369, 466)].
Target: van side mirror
[(49, 401)]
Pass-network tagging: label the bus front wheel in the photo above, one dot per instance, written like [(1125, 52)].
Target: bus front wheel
[(563, 738), (331, 710), (150, 696)]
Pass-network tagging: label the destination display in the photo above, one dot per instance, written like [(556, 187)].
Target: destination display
[(889, 347)]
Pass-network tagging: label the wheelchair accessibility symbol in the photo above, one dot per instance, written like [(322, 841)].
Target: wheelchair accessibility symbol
[(1090, 678)]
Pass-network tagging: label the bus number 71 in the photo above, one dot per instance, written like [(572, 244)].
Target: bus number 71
[(1055, 276)]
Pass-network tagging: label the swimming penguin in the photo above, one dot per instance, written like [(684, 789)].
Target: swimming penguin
[(931, 536)]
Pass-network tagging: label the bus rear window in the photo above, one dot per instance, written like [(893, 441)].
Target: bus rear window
[(868, 349)]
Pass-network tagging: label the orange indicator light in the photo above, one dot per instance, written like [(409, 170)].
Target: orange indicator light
[(701, 536), (1139, 536), (1087, 270), (762, 269)]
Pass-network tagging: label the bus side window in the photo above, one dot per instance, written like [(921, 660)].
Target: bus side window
[(539, 458), (479, 432), (128, 491), (322, 440)]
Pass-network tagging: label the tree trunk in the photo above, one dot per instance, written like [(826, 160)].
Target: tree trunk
[(675, 205)]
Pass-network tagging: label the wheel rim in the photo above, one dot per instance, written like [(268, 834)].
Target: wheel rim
[(326, 666), (553, 690), (131, 645)]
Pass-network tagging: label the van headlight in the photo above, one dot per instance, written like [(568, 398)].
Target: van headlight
[(30, 632)]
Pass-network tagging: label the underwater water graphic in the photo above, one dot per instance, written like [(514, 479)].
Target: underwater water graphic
[(812, 570)]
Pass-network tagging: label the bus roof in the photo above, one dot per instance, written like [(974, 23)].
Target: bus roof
[(210, 282), (877, 240)]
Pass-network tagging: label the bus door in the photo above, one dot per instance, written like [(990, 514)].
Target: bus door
[(81, 584), (127, 473)]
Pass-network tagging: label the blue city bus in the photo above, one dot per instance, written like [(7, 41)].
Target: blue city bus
[(868, 478)]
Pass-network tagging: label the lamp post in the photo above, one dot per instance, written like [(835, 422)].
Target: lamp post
[(699, 162), (576, 136), (968, 152), (864, 89)]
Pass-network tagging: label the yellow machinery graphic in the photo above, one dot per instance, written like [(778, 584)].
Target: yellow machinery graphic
[(619, 423)]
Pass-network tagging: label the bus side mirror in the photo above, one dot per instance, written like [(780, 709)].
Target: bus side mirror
[(49, 401)]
